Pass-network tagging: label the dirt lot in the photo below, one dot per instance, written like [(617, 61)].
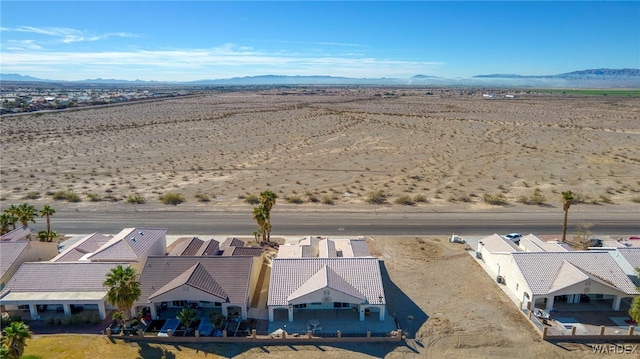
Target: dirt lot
[(333, 145)]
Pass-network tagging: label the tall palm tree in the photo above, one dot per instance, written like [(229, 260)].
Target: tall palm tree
[(567, 200), (47, 211), (261, 216), (26, 213), (124, 288), (268, 199), (15, 337)]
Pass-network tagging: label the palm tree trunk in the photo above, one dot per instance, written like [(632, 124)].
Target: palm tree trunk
[(564, 226), (48, 224)]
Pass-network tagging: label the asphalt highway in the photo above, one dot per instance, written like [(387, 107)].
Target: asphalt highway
[(342, 222)]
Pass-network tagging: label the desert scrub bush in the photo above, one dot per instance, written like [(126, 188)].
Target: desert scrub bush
[(328, 200), (172, 198), (67, 195), (405, 200), (203, 197), (537, 198), (32, 195), (136, 199), (635, 199), (252, 199), (460, 198), (496, 200), (420, 198), (94, 197), (376, 197), (294, 199), (313, 198), (606, 199)]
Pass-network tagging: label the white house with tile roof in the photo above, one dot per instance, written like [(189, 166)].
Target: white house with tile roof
[(225, 282), (14, 253), (544, 279), (335, 283), (62, 286), (131, 245)]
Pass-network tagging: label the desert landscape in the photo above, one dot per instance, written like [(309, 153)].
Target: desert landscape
[(322, 146)]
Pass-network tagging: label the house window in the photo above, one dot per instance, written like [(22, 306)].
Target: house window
[(179, 303), (517, 285), (341, 305), (316, 303), (303, 305), (327, 292), (217, 304)]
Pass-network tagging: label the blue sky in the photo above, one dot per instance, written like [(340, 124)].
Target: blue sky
[(182, 41)]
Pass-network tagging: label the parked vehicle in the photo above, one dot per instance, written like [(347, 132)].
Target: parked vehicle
[(456, 239), (515, 237)]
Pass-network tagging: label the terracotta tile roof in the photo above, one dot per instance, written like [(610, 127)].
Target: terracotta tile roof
[(209, 248), (544, 271), (60, 277), (531, 243), (129, 244), (631, 255), (17, 234), (9, 253), (88, 244), (232, 274), (231, 242), (243, 251), (361, 273), (196, 277), (326, 278)]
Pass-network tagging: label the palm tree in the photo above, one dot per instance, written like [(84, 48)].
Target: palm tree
[(26, 213), (268, 199), (186, 316), (567, 200), (5, 220), (124, 288), (13, 212), (261, 216), (47, 211), (634, 311), (15, 337)]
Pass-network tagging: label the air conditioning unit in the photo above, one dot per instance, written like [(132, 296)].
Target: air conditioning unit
[(500, 279)]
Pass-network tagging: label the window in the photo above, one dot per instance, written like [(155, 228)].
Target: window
[(303, 305), (217, 304), (327, 292), (316, 303), (517, 285), (179, 303), (341, 305)]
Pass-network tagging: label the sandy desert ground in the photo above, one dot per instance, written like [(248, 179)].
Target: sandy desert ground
[(331, 145)]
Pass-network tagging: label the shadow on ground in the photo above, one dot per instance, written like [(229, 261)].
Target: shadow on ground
[(408, 315), (148, 352)]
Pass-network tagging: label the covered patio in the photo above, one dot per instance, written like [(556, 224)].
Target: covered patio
[(327, 322)]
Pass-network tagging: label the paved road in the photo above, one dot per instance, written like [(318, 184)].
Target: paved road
[(294, 222)]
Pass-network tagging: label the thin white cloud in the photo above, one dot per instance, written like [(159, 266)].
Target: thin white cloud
[(18, 45), (228, 60), (68, 35)]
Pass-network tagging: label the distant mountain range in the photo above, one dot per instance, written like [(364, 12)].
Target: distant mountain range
[(593, 78)]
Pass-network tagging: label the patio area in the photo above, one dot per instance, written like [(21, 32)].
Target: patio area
[(328, 321)]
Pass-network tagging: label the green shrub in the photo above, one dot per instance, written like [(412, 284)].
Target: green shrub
[(376, 197), (75, 319), (496, 200), (405, 200), (32, 195), (94, 197), (420, 198), (252, 199), (537, 198), (136, 199), (172, 198), (328, 200), (203, 197), (67, 195), (294, 199)]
